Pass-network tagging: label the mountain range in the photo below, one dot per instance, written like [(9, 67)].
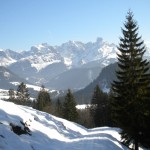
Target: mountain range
[(73, 64), (57, 66)]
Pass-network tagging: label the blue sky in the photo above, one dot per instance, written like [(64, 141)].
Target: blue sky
[(24, 23)]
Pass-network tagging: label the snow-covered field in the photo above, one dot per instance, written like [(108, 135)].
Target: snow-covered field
[(4, 94), (51, 133)]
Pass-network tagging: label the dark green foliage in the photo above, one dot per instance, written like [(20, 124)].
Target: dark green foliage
[(131, 103), (11, 93), (58, 109), (22, 92), (100, 108), (21, 96), (43, 100), (69, 107)]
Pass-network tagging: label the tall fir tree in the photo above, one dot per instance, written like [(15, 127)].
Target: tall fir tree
[(23, 93), (11, 94), (58, 108), (69, 107), (43, 100), (131, 103)]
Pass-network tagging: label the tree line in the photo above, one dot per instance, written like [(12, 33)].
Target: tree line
[(94, 115)]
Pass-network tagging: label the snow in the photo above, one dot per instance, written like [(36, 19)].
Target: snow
[(34, 87), (83, 106), (40, 66), (38, 88), (52, 133), (4, 94), (41, 61), (15, 83), (40, 46), (7, 61), (67, 61), (6, 74), (72, 54)]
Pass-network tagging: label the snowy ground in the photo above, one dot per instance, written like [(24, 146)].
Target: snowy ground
[(51, 133), (4, 94), (34, 87)]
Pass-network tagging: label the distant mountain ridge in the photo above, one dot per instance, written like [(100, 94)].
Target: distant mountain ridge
[(57, 66), (104, 81), (6, 77), (72, 54)]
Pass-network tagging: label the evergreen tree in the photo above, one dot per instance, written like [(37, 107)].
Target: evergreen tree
[(43, 100), (99, 108), (69, 107), (11, 93), (131, 103), (58, 108), (22, 93)]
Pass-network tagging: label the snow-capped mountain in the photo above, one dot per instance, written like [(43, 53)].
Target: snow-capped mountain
[(72, 54), (41, 56), (5, 59), (44, 64), (78, 53)]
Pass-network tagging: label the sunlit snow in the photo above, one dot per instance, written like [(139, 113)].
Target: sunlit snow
[(83, 106), (52, 133), (43, 65)]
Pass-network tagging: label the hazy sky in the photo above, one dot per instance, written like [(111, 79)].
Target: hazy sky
[(24, 23)]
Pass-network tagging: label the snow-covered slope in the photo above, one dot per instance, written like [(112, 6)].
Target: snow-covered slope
[(5, 59), (48, 132)]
